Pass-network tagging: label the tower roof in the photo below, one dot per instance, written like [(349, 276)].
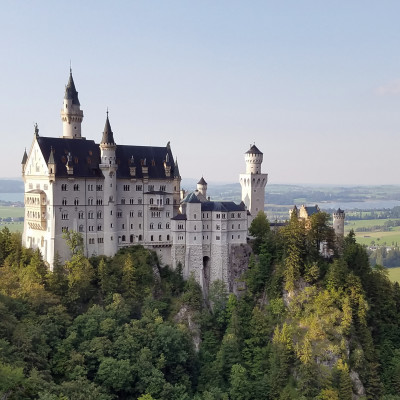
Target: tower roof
[(70, 90), (108, 136), (176, 170), (253, 150), (24, 158), (339, 211), (51, 157), (191, 198), (202, 182)]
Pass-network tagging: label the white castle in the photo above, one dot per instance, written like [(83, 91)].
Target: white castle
[(119, 195)]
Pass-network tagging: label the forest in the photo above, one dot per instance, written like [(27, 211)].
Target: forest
[(126, 327)]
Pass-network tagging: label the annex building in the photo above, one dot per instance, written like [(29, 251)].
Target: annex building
[(123, 195)]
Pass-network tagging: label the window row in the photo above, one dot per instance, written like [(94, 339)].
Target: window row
[(159, 225)]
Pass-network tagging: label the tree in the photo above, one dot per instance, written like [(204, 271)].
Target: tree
[(259, 229)]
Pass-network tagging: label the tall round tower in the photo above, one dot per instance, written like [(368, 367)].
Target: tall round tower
[(109, 168), (338, 222), (71, 113), (202, 186), (253, 182)]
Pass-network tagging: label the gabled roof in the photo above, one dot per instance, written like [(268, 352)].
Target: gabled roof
[(86, 158), (108, 136), (312, 210), (70, 91), (223, 206), (191, 198), (253, 150)]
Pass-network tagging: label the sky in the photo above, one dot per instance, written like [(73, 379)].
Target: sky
[(314, 84)]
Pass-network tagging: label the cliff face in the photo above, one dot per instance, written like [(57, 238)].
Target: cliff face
[(238, 264)]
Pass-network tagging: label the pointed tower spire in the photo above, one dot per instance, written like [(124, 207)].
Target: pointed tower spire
[(108, 136), (24, 157), (176, 169), (71, 113)]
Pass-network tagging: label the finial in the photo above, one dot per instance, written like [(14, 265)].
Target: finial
[(70, 67), (107, 112), (36, 129)]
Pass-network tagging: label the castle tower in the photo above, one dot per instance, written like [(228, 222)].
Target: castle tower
[(71, 113), (253, 182), (338, 222), (202, 187), (109, 168)]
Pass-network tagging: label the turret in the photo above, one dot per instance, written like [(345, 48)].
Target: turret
[(254, 159), (202, 187), (51, 165), (109, 168), (23, 162), (71, 113), (338, 222)]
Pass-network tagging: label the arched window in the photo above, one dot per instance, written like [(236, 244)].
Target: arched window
[(140, 238), (151, 201), (123, 238), (159, 225), (131, 238), (159, 238)]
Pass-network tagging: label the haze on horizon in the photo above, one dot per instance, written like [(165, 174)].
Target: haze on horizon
[(315, 85)]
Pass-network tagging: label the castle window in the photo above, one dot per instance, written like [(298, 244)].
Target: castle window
[(80, 228), (111, 226), (239, 226), (167, 237), (167, 214), (217, 238), (195, 238), (218, 215), (151, 226), (195, 216), (64, 229), (99, 188), (233, 226), (138, 188), (76, 201), (123, 238), (64, 187), (76, 187), (90, 201), (223, 216), (119, 214), (122, 201), (99, 202), (232, 236), (151, 201), (167, 226), (100, 240), (151, 238), (99, 214), (99, 227), (238, 236), (140, 238), (80, 215), (123, 226), (180, 226), (159, 238), (160, 226), (218, 227), (131, 201), (162, 188), (90, 188), (64, 201), (64, 215), (151, 188), (195, 228), (131, 213), (127, 188), (139, 201), (131, 238), (90, 215), (239, 215)]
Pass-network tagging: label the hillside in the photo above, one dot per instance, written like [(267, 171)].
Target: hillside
[(127, 327)]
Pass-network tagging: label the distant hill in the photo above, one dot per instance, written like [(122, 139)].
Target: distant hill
[(11, 186)]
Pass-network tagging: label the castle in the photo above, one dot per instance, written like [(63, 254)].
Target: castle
[(120, 195)]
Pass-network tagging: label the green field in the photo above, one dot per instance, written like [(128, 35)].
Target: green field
[(394, 274), (12, 212)]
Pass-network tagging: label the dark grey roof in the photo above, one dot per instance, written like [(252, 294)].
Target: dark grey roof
[(312, 210), (224, 206), (191, 198), (86, 158), (51, 157), (108, 136), (253, 150), (179, 217), (70, 91), (157, 192), (24, 158), (339, 211), (176, 170), (202, 181)]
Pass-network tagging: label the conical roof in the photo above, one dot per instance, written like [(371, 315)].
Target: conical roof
[(70, 91), (24, 158), (202, 182), (51, 157), (253, 150), (108, 136), (176, 169)]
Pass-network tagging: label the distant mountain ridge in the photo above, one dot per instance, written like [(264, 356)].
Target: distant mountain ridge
[(11, 186)]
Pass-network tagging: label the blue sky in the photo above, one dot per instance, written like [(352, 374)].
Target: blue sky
[(316, 85)]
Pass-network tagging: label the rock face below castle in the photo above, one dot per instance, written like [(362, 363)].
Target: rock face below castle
[(122, 195)]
